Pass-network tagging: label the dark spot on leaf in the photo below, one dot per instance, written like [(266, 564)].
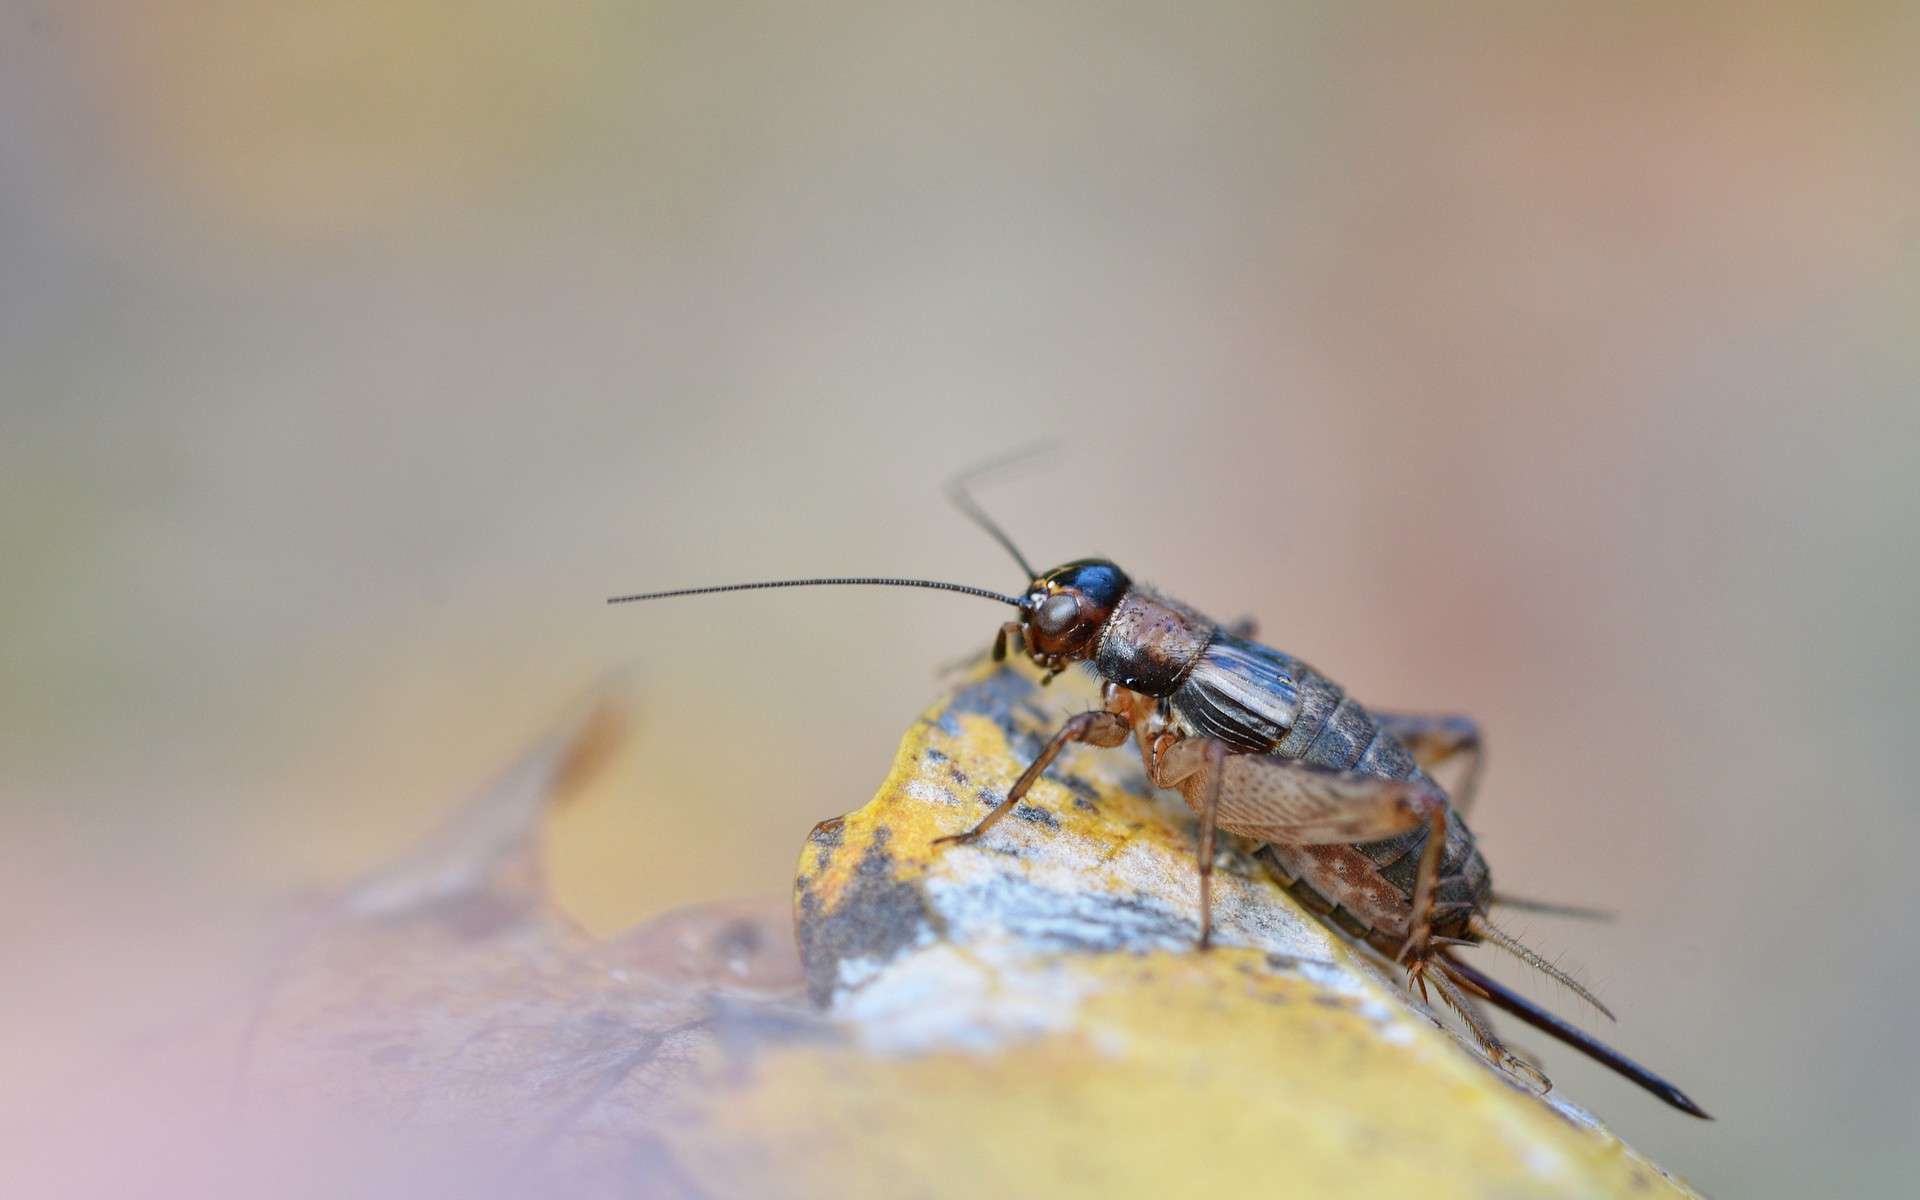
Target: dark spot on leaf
[(877, 917), (1084, 793), (1036, 815)]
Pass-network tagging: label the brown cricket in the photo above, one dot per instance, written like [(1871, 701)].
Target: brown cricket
[(1262, 745)]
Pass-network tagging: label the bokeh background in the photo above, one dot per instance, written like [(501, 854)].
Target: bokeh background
[(1553, 366)]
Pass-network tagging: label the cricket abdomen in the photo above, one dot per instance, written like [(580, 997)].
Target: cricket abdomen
[(1259, 700), (1367, 888), (1350, 887)]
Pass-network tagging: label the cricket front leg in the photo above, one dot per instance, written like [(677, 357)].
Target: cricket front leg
[(1098, 728)]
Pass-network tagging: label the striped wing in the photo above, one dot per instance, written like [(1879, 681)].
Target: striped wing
[(1240, 692)]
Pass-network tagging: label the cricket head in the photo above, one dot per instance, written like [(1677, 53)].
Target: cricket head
[(1064, 610)]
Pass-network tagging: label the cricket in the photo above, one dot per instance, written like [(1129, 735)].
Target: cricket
[(1263, 745)]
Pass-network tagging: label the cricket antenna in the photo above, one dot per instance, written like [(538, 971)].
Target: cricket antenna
[(964, 501), (854, 581)]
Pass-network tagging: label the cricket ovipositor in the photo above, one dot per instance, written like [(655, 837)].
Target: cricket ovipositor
[(1262, 745)]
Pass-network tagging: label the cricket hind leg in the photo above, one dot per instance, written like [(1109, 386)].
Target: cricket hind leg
[(1282, 800), (1097, 728), (1193, 765), (1437, 739), (1459, 992), (1209, 817), (1285, 800)]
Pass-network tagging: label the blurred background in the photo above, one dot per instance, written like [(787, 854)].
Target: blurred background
[(1555, 367)]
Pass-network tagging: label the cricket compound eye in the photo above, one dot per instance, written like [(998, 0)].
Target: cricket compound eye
[(1057, 616)]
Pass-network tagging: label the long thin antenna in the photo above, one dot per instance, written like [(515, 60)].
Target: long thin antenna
[(857, 581), (964, 501)]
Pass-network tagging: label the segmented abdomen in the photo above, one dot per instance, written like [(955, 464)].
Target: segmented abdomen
[(1327, 728)]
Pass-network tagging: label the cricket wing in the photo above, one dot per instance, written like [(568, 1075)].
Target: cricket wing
[(1241, 693)]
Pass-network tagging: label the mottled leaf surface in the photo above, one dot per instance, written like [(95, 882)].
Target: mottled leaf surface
[(1025, 1015)]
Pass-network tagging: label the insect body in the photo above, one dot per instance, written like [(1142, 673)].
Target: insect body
[(1261, 744), (1264, 746)]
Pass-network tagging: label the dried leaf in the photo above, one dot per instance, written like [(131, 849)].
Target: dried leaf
[(1025, 1015)]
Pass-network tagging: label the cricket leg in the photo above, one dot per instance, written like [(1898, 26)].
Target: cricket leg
[(1285, 800), (1434, 740), (1209, 807), (1418, 953), (1009, 635), (1098, 728), (1288, 801), (1459, 989), (1465, 995), (1193, 765)]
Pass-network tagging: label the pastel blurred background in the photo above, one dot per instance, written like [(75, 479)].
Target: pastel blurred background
[(1556, 367)]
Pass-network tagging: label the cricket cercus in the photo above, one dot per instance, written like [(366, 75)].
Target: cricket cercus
[(1261, 744)]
